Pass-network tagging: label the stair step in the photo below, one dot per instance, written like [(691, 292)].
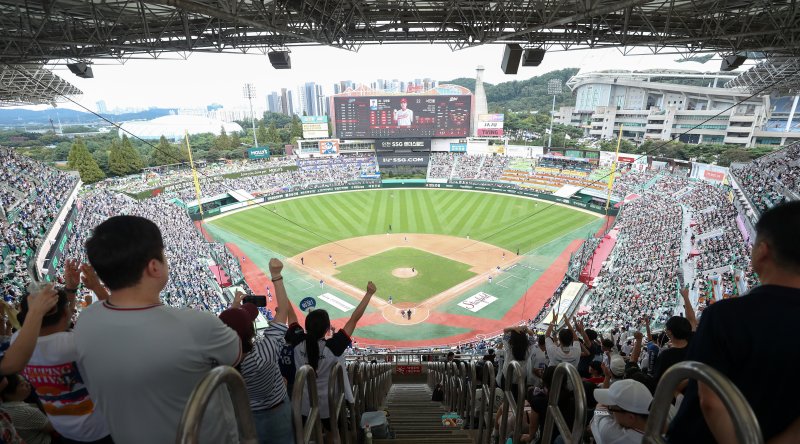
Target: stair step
[(415, 419)]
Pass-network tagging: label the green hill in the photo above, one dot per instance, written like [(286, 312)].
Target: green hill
[(523, 95)]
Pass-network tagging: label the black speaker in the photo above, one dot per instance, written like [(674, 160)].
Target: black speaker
[(280, 59), (731, 62), (533, 57), (511, 58), (81, 69)]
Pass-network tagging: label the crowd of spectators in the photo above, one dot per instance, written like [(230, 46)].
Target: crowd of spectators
[(766, 179), (191, 281), (441, 165), (31, 196)]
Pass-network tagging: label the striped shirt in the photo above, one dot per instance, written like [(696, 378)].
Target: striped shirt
[(260, 370)]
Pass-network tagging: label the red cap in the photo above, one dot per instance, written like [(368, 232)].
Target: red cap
[(403, 100), (240, 319)]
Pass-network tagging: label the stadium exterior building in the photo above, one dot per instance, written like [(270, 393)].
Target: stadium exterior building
[(173, 127), (665, 104)]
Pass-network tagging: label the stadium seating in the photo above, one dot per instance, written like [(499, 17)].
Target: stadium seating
[(771, 179)]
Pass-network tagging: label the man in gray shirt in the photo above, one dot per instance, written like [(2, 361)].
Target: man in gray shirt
[(139, 358)]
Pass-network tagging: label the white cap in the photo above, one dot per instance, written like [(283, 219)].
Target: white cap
[(617, 365), (629, 395)]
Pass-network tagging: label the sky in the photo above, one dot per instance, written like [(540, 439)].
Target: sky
[(203, 78)]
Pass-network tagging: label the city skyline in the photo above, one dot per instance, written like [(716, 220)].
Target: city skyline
[(203, 79)]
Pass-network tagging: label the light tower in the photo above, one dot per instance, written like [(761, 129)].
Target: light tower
[(249, 93), (554, 89), (481, 105)]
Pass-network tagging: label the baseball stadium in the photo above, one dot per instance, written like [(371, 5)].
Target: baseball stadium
[(403, 261)]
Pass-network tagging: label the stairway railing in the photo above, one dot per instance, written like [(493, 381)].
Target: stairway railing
[(745, 422), (486, 410), (554, 415), (189, 427), (515, 403), (306, 379), (338, 405)]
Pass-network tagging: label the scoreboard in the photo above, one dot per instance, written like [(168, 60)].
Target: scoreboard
[(402, 116)]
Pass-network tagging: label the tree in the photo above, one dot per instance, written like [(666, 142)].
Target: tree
[(261, 132), (272, 135), (116, 160), (295, 130), (84, 163), (166, 153), (133, 159), (236, 142), (222, 142)]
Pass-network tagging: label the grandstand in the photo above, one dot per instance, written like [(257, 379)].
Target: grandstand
[(671, 229)]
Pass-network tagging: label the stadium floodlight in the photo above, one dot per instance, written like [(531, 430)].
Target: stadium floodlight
[(553, 89), (249, 92), (81, 69)]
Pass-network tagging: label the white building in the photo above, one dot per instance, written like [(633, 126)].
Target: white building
[(667, 104)]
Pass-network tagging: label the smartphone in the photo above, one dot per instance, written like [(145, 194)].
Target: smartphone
[(258, 301)]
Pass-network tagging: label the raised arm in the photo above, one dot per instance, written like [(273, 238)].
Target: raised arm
[(637, 346), (582, 330), (687, 307), (584, 349), (286, 312), (553, 322), (72, 279), (92, 282), (350, 327), (20, 351)]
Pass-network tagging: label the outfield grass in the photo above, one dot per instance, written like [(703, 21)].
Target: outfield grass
[(301, 224), (435, 274)]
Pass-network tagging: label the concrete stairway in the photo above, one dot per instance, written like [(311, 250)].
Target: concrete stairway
[(416, 419)]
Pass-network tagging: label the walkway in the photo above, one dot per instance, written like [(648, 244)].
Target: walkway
[(415, 419)]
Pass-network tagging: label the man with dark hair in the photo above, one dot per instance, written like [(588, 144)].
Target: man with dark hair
[(679, 330), (141, 359), (745, 339)]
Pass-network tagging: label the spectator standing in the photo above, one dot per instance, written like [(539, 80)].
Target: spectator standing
[(569, 349), (310, 347), (140, 359), (679, 330), (269, 401), (745, 339)]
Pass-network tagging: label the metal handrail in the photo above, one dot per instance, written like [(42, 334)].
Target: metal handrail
[(337, 402), (514, 374), (358, 397), (189, 427), (488, 398), (554, 414), (306, 378), (744, 419)]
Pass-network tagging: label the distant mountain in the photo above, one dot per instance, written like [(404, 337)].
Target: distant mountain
[(19, 117), (523, 95)]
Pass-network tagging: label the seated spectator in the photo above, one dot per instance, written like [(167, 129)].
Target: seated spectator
[(140, 359), (621, 413), (272, 409), (310, 347), (745, 338), (31, 424), (55, 377)]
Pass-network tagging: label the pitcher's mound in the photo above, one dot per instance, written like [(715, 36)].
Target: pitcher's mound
[(404, 272)]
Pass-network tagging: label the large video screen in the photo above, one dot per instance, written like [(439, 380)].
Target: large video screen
[(402, 116)]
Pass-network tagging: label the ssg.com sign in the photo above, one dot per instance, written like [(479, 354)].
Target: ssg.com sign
[(403, 160), (258, 153)]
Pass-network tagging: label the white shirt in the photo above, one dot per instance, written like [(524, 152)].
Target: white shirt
[(141, 365), (58, 383), (607, 431), (404, 117), (558, 354), (537, 360)]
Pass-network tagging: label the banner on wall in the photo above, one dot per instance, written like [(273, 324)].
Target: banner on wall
[(458, 147)]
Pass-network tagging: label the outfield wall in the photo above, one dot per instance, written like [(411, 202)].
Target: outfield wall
[(486, 187)]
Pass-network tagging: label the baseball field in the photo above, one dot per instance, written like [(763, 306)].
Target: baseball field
[(463, 262)]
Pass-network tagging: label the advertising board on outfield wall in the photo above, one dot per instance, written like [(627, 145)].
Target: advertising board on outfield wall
[(261, 152), (403, 144), (476, 186)]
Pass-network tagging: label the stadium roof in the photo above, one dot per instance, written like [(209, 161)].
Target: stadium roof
[(32, 85), (76, 29), (777, 76), (174, 127)]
